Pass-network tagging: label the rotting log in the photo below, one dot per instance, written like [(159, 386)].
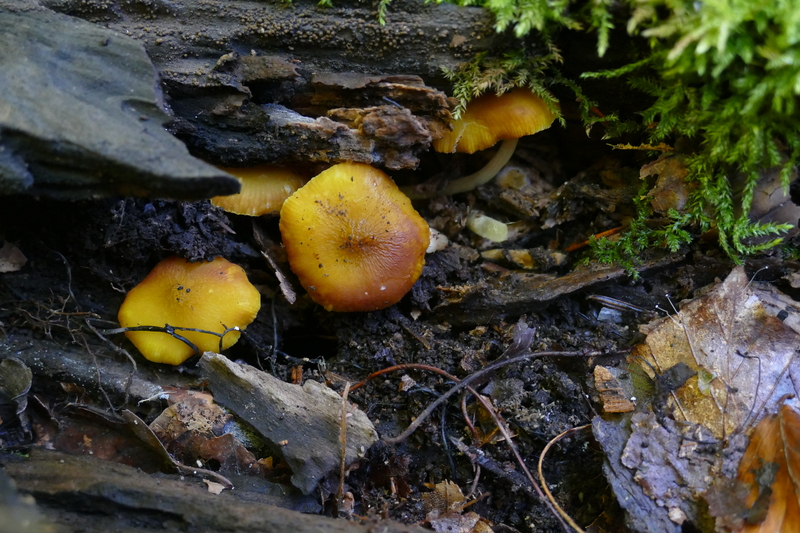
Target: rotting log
[(130, 500), (252, 82)]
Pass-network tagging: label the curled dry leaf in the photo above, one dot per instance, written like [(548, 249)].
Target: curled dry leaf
[(743, 356), (446, 497), (672, 190), (771, 468), (193, 428)]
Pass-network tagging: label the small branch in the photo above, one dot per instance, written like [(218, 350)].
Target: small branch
[(474, 377)]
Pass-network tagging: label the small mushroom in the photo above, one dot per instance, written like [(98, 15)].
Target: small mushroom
[(353, 239), (212, 296), (487, 120), (264, 189)]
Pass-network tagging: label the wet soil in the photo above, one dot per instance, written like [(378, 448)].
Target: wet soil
[(83, 257)]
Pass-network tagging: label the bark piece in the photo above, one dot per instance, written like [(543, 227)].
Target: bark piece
[(252, 82), (80, 116), (642, 512), (61, 362), (86, 494), (518, 293), (303, 422)]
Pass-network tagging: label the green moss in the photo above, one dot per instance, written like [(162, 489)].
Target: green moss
[(723, 74)]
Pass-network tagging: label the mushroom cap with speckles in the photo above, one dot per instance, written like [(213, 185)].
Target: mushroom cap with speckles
[(210, 296), (353, 239)]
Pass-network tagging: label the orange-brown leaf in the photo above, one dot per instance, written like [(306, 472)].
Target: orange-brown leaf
[(771, 467)]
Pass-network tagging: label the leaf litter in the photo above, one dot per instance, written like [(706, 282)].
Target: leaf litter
[(725, 361), (744, 358), (771, 468)]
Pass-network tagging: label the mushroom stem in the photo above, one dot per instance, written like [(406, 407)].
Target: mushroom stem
[(467, 183)]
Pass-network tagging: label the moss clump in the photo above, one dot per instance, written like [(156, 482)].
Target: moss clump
[(723, 74)]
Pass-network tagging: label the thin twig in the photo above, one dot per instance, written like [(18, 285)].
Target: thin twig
[(558, 508), (476, 376), (173, 331), (404, 366), (470, 425)]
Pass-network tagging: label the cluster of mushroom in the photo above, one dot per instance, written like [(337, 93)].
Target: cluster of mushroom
[(352, 238), (351, 235)]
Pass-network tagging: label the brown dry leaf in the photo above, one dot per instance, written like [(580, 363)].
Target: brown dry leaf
[(189, 411), (771, 467), (672, 190), (445, 497), (192, 428), (744, 357)]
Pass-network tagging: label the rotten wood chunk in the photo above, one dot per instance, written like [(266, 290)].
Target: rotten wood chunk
[(514, 293), (393, 125), (114, 497), (81, 115), (612, 394), (302, 422)]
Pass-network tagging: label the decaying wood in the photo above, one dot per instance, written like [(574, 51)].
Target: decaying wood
[(59, 363), (63, 485), (268, 82), (302, 422), (80, 115), (518, 292)]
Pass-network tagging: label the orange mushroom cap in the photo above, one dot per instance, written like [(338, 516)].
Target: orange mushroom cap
[(353, 239), (491, 118), (264, 189), (209, 296)]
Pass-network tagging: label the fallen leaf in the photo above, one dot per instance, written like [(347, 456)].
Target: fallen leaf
[(744, 357), (445, 497), (193, 428), (771, 467), (672, 189)]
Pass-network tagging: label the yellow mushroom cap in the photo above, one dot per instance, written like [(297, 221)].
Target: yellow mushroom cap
[(208, 296), (353, 238), (264, 189), (491, 118)]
